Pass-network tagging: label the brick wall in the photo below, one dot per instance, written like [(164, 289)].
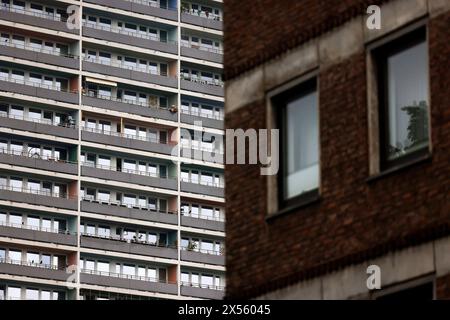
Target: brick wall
[(291, 22), (355, 219), (443, 288)]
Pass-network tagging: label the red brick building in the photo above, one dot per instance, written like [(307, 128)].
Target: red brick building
[(364, 120)]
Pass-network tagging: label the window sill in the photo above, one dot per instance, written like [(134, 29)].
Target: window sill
[(309, 199), (422, 159)]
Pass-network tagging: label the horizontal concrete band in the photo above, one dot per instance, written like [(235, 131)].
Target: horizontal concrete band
[(107, 281), (138, 8), (59, 131), (41, 57)]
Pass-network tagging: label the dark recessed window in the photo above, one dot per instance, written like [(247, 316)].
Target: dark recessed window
[(402, 67), (298, 120), (422, 292)]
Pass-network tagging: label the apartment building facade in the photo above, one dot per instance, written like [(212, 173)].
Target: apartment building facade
[(111, 161), (360, 205)]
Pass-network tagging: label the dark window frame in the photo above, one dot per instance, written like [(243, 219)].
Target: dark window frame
[(279, 103), (380, 56)]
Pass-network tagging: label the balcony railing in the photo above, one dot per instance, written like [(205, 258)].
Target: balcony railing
[(40, 50), (95, 94), (203, 114), (66, 124), (118, 30), (204, 183), (126, 205), (122, 65), (36, 228), (202, 14), (203, 217), (152, 4), (36, 84), (30, 264), (202, 48), (43, 15), (215, 83), (124, 135), (123, 276), (38, 192), (134, 240), (34, 155), (187, 145), (202, 286), (204, 251), (123, 170)]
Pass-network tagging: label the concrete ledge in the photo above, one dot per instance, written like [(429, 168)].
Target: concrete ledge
[(33, 272), (396, 267), (201, 22), (64, 132), (128, 283), (199, 257), (53, 166), (125, 247), (202, 223), (202, 293), (42, 57), (35, 235), (396, 14), (40, 200), (202, 189), (129, 178), (129, 213)]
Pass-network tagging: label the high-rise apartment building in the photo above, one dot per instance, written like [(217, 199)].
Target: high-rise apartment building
[(111, 161), (358, 206)]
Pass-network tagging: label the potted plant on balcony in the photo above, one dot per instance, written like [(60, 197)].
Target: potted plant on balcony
[(191, 246)]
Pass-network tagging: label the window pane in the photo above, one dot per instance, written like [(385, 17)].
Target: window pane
[(13, 293), (103, 267), (302, 151), (407, 101)]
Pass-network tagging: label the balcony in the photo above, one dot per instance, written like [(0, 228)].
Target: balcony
[(38, 90), (119, 69), (202, 153), (109, 279), (33, 18), (201, 19), (36, 161), (30, 53), (37, 234), (140, 6), (41, 126), (134, 39), (211, 87), (128, 176), (207, 120), (202, 222), (203, 256), (94, 99), (208, 189), (32, 270), (202, 53), (126, 141), (38, 197), (118, 209), (202, 291), (118, 244)]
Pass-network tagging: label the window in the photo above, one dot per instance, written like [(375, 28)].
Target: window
[(103, 267), (15, 219), (14, 293), (298, 120), (15, 257), (402, 67)]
